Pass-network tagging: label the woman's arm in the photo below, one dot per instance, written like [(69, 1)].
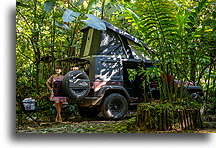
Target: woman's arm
[(47, 83)]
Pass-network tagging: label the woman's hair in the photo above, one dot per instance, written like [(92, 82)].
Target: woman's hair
[(58, 67)]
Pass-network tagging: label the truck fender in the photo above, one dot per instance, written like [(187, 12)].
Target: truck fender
[(121, 89)]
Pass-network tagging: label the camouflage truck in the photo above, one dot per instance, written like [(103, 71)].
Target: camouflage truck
[(103, 83)]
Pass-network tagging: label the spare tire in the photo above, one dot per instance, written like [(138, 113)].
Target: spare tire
[(76, 84)]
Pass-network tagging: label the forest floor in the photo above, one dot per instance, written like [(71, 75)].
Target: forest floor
[(79, 125)]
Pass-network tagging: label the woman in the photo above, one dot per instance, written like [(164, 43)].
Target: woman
[(54, 83)]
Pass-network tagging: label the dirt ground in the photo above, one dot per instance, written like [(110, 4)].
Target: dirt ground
[(95, 126)]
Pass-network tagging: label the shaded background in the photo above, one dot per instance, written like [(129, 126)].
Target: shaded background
[(9, 138)]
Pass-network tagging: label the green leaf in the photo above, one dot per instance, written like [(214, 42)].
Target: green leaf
[(190, 24), (22, 5), (95, 22), (133, 13), (191, 18), (69, 15), (111, 10), (79, 3), (48, 6), (62, 25)]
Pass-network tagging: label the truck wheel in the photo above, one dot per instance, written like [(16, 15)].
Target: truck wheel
[(114, 107), (76, 85), (196, 97)]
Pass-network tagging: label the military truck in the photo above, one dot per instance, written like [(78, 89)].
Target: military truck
[(101, 83)]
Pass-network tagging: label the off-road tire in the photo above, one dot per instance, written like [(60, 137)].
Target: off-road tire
[(114, 107), (196, 97), (76, 85)]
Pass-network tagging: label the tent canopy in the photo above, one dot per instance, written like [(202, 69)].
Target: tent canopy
[(112, 41)]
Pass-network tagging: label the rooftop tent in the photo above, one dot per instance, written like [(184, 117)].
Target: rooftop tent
[(112, 41)]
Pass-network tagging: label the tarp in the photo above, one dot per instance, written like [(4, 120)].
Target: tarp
[(121, 32), (125, 34), (111, 44), (112, 41)]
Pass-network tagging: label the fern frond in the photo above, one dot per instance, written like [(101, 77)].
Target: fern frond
[(158, 21)]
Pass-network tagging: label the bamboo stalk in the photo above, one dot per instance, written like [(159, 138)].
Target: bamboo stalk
[(150, 119), (164, 120), (171, 120), (160, 122), (194, 119), (185, 119), (179, 120), (191, 119), (188, 119)]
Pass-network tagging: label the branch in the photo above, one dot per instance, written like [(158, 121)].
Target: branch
[(202, 71), (24, 18), (26, 56)]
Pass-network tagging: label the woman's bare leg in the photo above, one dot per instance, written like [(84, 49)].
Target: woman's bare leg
[(57, 114), (60, 109)]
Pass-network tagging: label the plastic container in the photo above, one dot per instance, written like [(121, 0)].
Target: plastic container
[(29, 104)]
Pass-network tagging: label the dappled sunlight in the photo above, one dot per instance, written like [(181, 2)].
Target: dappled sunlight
[(107, 74)]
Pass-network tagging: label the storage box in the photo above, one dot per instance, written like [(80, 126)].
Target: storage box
[(29, 104)]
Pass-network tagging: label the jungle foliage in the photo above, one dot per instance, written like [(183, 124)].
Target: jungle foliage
[(181, 34)]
